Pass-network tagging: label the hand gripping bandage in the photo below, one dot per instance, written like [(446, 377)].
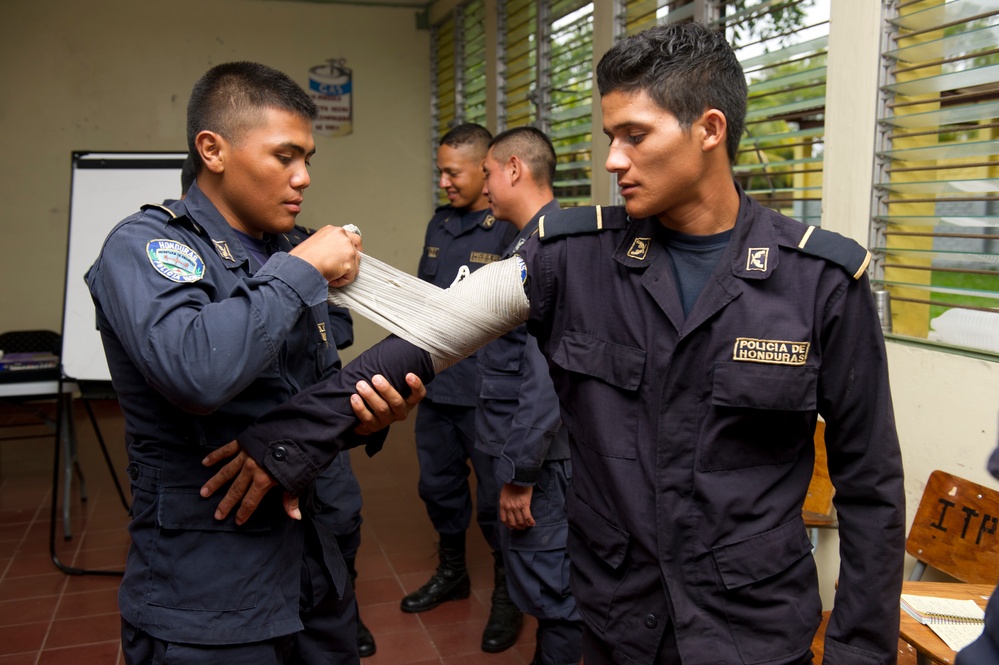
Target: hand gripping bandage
[(449, 324)]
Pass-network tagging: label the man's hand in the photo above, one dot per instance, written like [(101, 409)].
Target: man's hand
[(250, 482), (379, 407), (515, 506), (333, 252)]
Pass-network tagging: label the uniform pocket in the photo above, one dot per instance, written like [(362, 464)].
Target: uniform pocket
[(201, 563), (600, 400), (430, 265), (499, 386), (761, 415), (597, 563), (769, 387), (506, 355), (771, 594)]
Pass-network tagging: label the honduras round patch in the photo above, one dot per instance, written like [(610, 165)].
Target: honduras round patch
[(175, 261), (523, 268)]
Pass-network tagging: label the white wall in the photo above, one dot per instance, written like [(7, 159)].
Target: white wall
[(108, 75)]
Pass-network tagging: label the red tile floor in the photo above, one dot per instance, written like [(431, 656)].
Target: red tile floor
[(49, 618)]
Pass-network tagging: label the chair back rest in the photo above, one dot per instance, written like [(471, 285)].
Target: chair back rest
[(954, 529), (818, 508), (30, 341)]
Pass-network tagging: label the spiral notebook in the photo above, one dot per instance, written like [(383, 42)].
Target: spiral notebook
[(956, 622)]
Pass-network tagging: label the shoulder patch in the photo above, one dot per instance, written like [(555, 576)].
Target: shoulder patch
[(843, 251), (175, 261), (575, 221)]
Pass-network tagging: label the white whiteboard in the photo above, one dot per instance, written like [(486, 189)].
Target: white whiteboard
[(106, 188)]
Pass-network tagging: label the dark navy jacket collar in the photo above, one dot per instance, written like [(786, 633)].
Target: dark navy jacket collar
[(530, 229), (753, 250), (458, 223)]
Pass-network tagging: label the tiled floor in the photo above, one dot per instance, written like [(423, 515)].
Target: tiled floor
[(49, 618)]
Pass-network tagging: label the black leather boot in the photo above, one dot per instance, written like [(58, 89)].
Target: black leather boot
[(449, 582), (505, 619), (365, 640)]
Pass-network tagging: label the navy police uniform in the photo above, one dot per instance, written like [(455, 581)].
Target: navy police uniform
[(456, 243), (199, 344), (691, 439), (518, 426)]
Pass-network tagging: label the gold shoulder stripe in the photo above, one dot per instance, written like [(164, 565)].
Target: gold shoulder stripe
[(863, 267), (172, 214), (804, 238), (541, 227), (600, 218)]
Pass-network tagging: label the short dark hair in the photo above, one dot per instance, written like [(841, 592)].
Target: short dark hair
[(470, 134), (533, 147), (230, 98), (686, 69)]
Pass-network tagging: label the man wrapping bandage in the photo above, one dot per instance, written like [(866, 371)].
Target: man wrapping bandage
[(691, 452), (447, 325)]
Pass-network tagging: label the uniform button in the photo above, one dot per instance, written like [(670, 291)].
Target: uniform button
[(133, 472), (650, 621), (279, 453)]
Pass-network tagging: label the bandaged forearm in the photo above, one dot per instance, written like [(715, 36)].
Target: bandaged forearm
[(449, 324)]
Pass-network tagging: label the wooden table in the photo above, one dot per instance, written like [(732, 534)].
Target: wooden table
[(929, 647)]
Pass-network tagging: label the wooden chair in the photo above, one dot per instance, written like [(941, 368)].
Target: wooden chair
[(818, 511), (954, 530)]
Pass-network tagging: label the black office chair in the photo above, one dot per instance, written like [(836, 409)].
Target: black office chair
[(29, 341)]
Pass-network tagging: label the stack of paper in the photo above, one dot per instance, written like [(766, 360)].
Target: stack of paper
[(957, 622)]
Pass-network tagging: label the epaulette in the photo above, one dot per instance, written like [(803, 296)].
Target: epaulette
[(165, 214), (160, 208), (838, 249), (571, 222)]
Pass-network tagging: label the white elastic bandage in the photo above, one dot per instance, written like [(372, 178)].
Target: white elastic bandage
[(450, 324)]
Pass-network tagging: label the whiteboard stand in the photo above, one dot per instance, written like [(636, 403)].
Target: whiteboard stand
[(66, 445), (106, 187)]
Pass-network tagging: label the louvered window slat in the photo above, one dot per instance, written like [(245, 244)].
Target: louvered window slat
[(458, 80), (780, 159), (570, 107), (936, 190)]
